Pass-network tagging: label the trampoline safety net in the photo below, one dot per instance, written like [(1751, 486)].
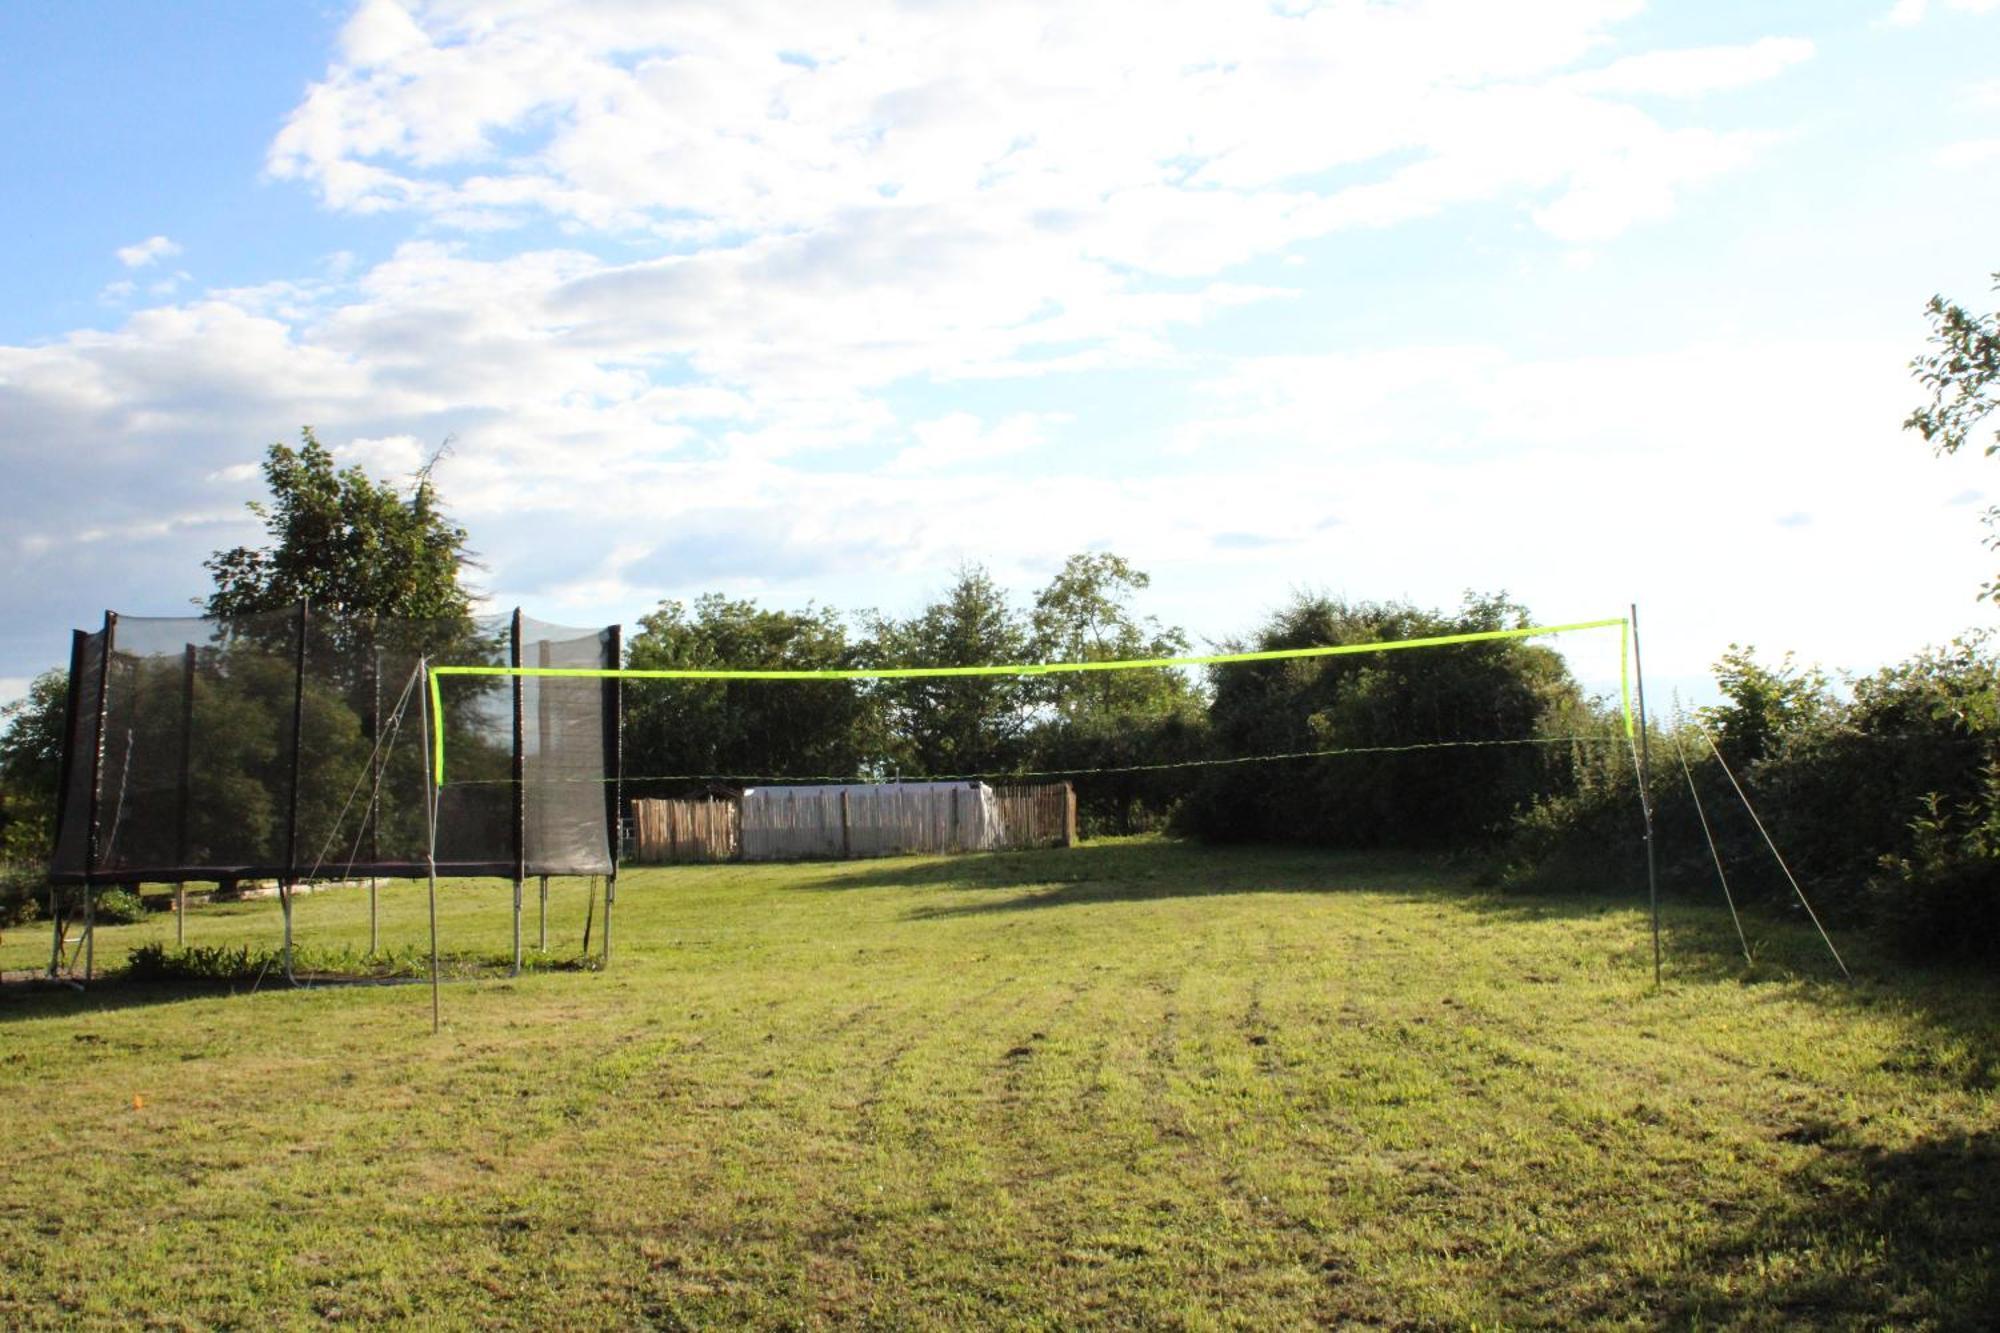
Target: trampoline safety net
[(285, 746)]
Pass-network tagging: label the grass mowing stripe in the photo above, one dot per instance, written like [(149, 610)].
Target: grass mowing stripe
[(815, 1095)]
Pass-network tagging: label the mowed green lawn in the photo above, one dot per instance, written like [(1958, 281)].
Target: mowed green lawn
[(1129, 1084)]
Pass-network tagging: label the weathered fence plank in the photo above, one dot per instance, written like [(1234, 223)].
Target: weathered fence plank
[(800, 823), (670, 831)]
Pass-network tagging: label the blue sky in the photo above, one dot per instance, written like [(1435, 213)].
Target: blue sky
[(1589, 300)]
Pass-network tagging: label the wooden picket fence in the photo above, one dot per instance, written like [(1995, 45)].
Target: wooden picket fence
[(1041, 815), (676, 831)]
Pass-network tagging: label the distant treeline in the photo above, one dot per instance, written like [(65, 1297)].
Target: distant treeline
[(1884, 795)]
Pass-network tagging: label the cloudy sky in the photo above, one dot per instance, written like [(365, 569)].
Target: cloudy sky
[(1589, 300)]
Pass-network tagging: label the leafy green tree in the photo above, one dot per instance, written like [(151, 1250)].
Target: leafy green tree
[(956, 725), (739, 727), (1112, 720), (353, 546), (1085, 615), (31, 745), (1387, 710), (1765, 704), (382, 568), (1963, 376)]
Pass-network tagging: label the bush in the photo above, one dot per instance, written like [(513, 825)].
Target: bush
[(1942, 900), (1438, 745), (215, 965), (119, 907), (1837, 783), (156, 963), (24, 894)]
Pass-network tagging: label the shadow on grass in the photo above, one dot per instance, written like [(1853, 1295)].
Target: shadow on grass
[(1699, 943), (1863, 1238), (124, 989), (1141, 869)]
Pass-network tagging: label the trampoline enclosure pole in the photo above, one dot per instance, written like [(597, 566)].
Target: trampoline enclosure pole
[(430, 827), (543, 728), (520, 784), (286, 884), (93, 849), (185, 803), (77, 642), (615, 743)]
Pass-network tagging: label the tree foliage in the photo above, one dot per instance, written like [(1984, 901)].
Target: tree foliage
[(1763, 704), (992, 726), (353, 546), (31, 745), (1386, 708), (962, 725), (743, 728), (1962, 373), (1110, 721)]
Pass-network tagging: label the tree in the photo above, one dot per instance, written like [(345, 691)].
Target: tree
[(956, 725), (1765, 704), (1405, 781), (353, 546), (1963, 376), (1108, 720), (745, 727), (31, 746), (1084, 615), (359, 550)]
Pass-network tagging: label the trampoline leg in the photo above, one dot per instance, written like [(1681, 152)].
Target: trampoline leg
[(374, 932), (285, 906), (55, 934), (517, 927), (180, 915), (610, 897), (544, 936), (90, 933)]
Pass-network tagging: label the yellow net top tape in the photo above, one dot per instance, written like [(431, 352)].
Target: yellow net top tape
[(436, 673)]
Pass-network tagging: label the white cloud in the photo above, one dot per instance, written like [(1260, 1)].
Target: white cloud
[(148, 251), (960, 438), (1909, 13), (1176, 138), (1967, 153), (393, 456), (380, 31), (1696, 72)]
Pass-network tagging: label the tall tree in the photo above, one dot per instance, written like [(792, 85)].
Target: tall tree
[(1405, 780), (354, 546), (31, 745), (956, 725), (360, 550), (1962, 373), (743, 728), (1107, 727), (1085, 615)]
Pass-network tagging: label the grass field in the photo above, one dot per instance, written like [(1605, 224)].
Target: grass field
[(1131, 1083)]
